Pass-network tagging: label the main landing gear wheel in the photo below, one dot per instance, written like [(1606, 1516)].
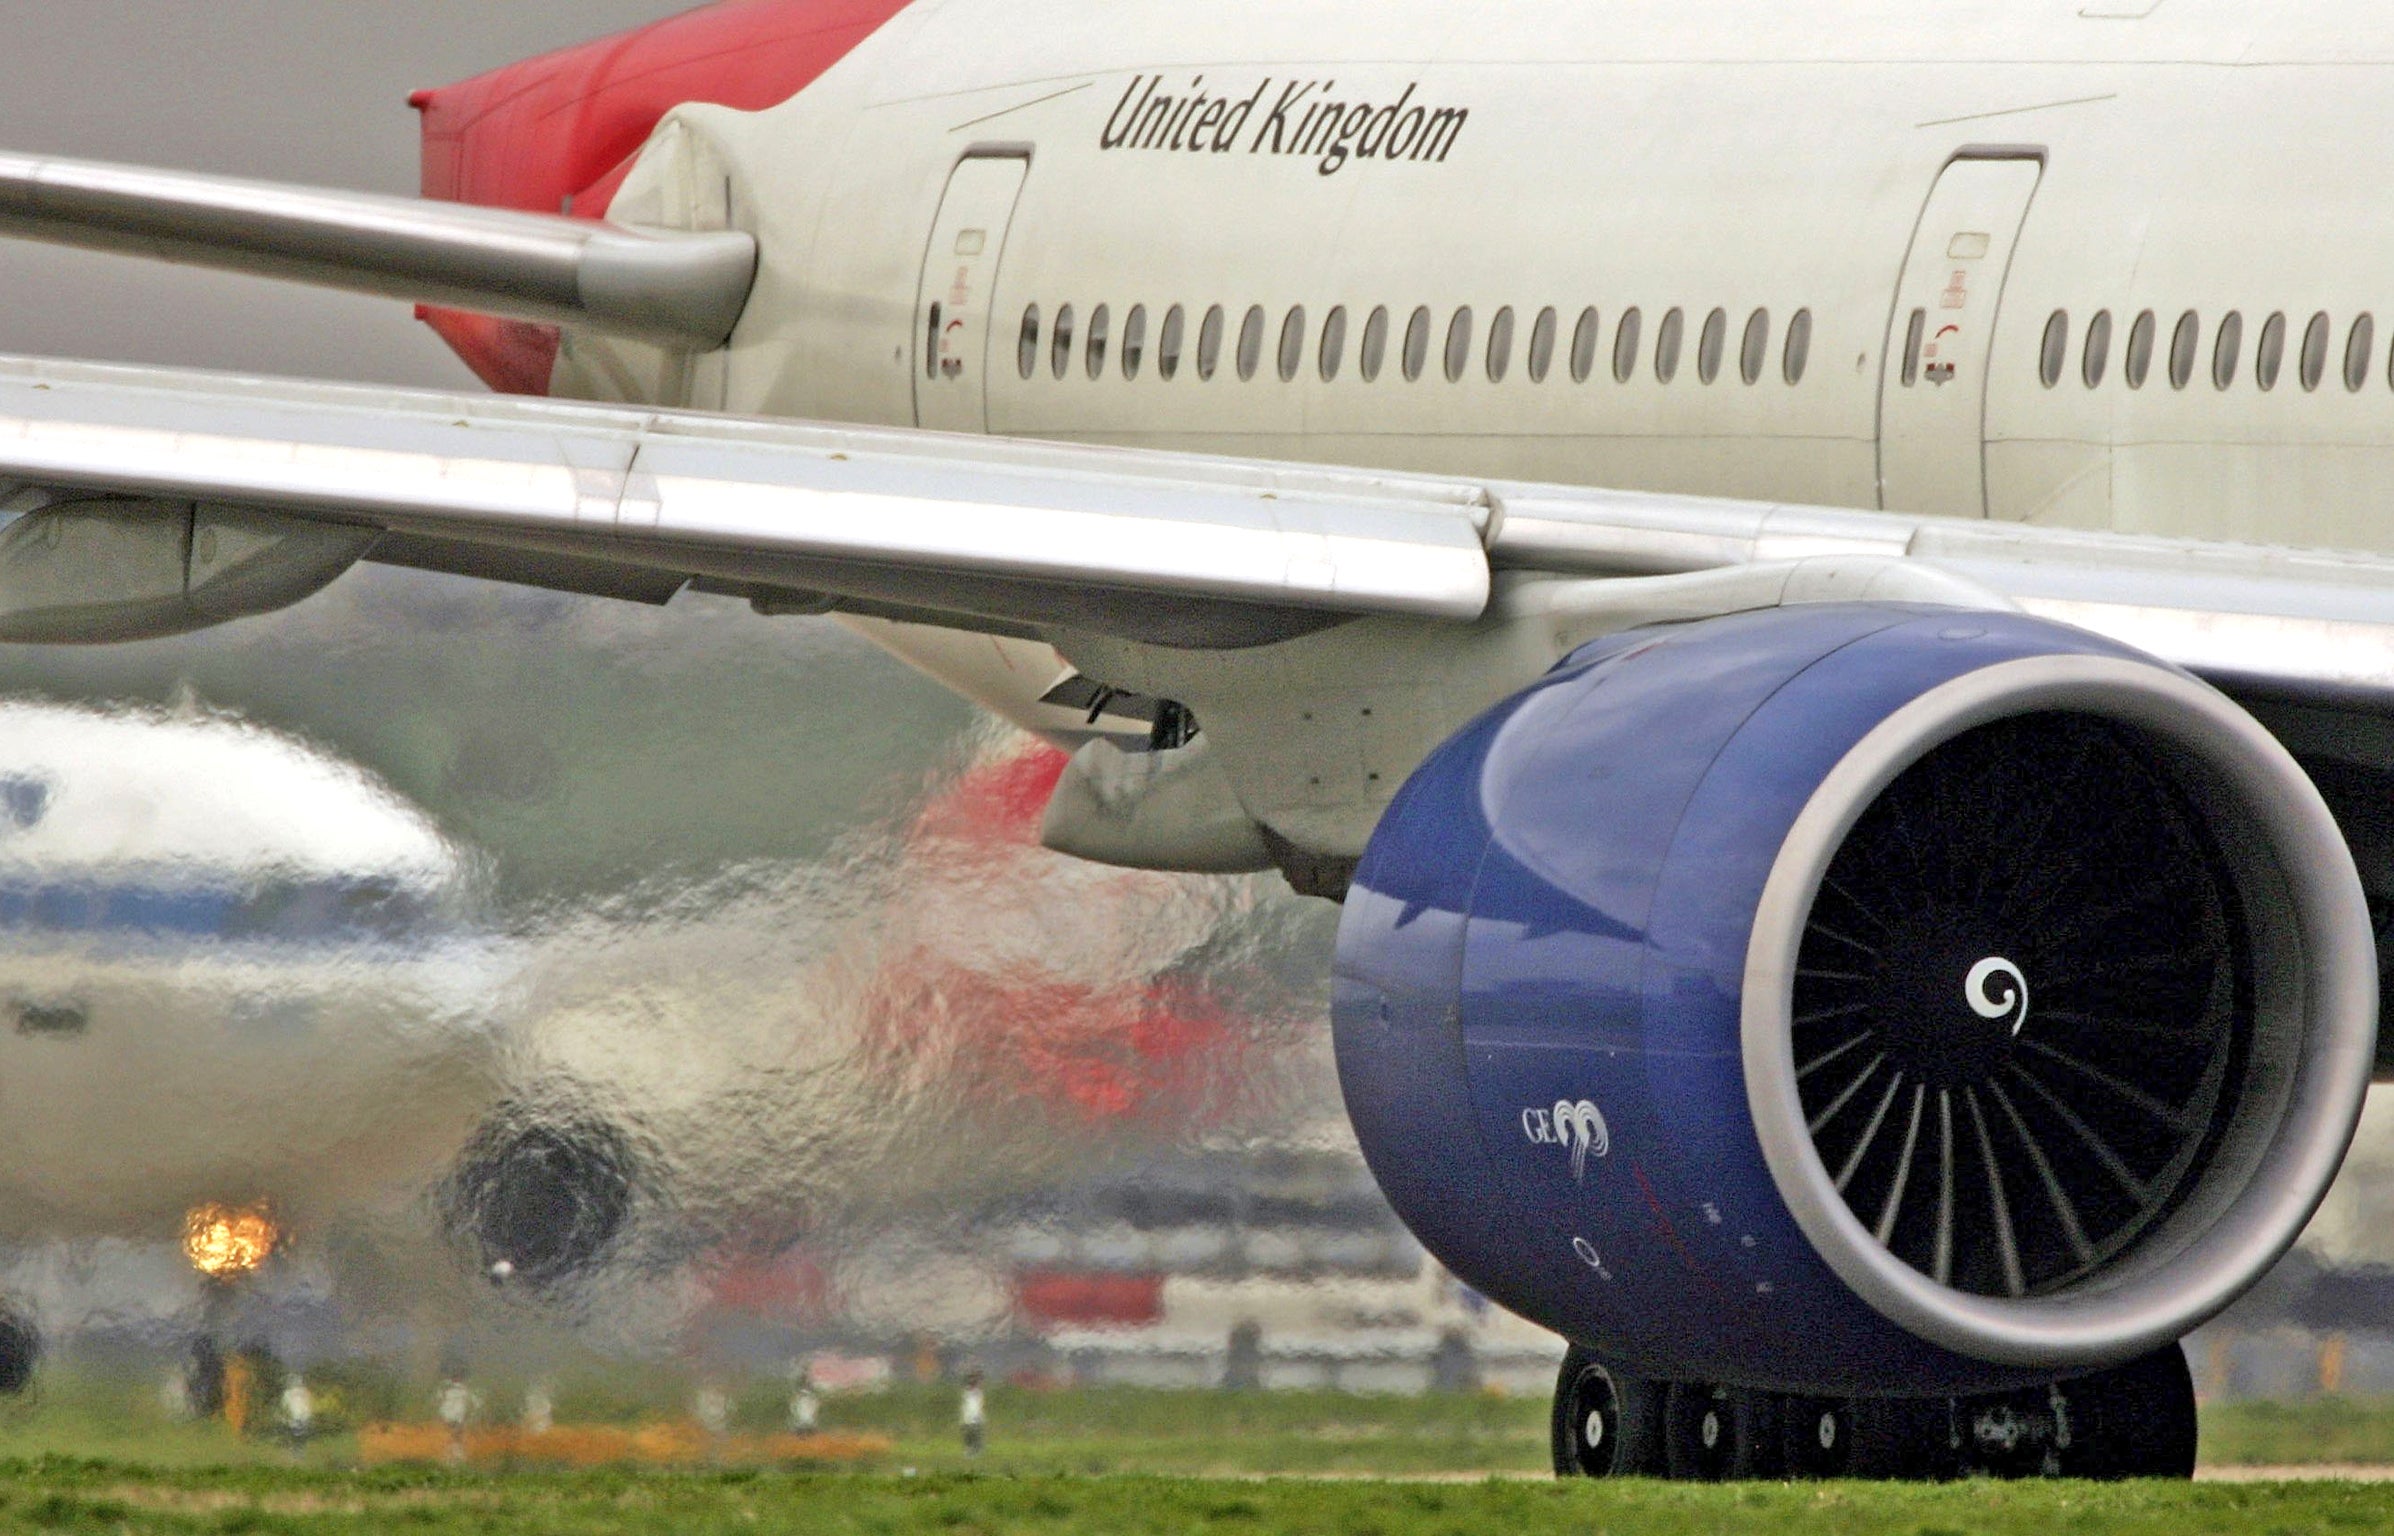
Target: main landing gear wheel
[(1721, 1434), (2134, 1420), (1605, 1423)]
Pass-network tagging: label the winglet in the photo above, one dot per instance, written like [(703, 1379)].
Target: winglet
[(673, 287)]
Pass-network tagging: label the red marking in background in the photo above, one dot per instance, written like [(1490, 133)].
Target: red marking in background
[(1000, 801), (1062, 1298), (557, 133)]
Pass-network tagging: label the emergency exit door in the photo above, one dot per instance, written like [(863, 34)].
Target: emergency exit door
[(953, 324), (1933, 383)]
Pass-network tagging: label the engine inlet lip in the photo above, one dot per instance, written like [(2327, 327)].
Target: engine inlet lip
[(2156, 1297)]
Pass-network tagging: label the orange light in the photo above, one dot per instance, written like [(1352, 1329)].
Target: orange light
[(222, 1240)]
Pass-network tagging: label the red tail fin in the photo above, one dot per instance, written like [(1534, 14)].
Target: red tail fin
[(557, 133)]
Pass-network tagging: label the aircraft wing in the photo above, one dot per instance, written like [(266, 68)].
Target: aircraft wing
[(117, 473)]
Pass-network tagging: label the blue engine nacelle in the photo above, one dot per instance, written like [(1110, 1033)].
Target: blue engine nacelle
[(1858, 999)]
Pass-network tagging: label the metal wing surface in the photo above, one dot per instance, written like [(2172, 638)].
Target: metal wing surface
[(1168, 548)]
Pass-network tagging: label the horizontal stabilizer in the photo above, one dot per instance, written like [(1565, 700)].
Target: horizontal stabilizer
[(674, 287)]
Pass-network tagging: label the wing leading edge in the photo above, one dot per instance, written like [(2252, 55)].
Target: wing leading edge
[(1163, 548)]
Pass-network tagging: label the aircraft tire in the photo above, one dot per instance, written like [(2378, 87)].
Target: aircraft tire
[(1605, 1422)]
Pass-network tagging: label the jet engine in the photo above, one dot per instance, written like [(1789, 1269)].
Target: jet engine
[(1858, 999)]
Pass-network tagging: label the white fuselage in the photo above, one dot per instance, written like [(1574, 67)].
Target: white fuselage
[(1986, 166)]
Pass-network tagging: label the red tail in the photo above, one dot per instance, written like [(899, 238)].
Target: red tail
[(557, 133)]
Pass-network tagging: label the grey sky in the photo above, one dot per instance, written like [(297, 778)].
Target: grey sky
[(295, 90)]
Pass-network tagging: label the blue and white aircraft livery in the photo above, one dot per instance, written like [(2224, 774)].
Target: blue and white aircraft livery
[(1814, 577)]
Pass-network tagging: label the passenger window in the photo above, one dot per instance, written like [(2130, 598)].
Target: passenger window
[(1458, 345), (1167, 349), (1625, 345), (1914, 334), (1026, 351), (1375, 344), (1100, 321), (2182, 348), (2055, 349), (2227, 350), (1500, 345), (1292, 344), (1209, 342), (2139, 364), (1134, 341), (2315, 348), (1667, 337), (2269, 358), (1541, 351), (1334, 342), (931, 342), (1060, 353), (2098, 349), (1755, 349), (1417, 343), (1711, 342), (1584, 339), (1251, 340), (1799, 347), (2357, 348)]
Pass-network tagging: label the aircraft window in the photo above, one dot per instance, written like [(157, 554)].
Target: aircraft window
[(1134, 340), (1625, 345), (1026, 351), (1292, 344), (2098, 349), (1251, 339), (1710, 344), (1334, 342), (931, 343), (1913, 335), (2182, 348), (1541, 347), (1667, 337), (2269, 355), (1375, 345), (1060, 353), (1584, 337), (2315, 345), (1167, 347), (1500, 345), (1458, 345), (2227, 350), (2055, 349), (1417, 343), (1799, 347), (1755, 349), (2357, 348), (1209, 342), (2139, 362), (1100, 321)]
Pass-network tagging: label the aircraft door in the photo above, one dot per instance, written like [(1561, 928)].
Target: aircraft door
[(953, 325), (1933, 377)]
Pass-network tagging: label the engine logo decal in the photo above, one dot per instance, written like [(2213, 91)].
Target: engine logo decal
[(2008, 999), (1578, 1127)]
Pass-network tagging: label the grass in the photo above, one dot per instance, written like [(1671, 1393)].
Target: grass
[(92, 1454), (65, 1495)]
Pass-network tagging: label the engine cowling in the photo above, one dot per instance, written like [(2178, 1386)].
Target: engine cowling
[(1858, 998)]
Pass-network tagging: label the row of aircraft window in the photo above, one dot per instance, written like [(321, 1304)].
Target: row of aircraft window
[(2185, 353), (1066, 341)]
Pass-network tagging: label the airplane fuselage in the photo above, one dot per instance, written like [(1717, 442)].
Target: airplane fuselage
[(2146, 256)]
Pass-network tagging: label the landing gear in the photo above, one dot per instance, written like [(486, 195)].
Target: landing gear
[(2135, 1420), (1722, 1434), (1606, 1423)]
